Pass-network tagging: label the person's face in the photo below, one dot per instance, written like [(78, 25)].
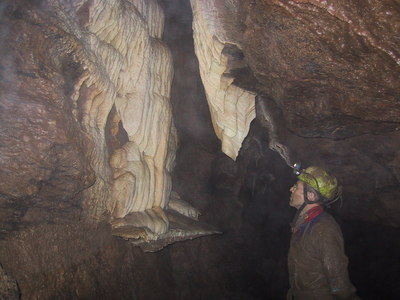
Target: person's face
[(297, 196)]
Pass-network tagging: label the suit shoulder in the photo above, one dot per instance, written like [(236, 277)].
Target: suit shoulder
[(326, 223)]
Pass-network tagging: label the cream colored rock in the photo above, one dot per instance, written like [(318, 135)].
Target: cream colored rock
[(232, 108), (177, 204), (127, 78), (143, 74), (153, 222), (121, 101)]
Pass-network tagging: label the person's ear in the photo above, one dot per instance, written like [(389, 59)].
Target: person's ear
[(311, 196)]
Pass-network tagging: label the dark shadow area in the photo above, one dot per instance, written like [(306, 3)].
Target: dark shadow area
[(56, 254), (266, 218), (373, 250), (248, 201), (374, 255)]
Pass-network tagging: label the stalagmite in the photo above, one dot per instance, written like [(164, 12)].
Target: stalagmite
[(232, 108)]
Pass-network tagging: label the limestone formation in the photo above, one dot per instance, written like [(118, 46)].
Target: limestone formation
[(182, 207), (232, 108), (130, 68), (126, 67), (332, 70), (180, 228), (104, 66)]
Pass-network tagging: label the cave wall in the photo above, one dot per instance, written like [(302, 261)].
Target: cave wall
[(331, 67), (56, 173), (326, 78), (70, 161), (78, 261), (90, 84)]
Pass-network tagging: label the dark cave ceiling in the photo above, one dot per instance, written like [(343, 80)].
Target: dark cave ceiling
[(328, 73), (75, 125)]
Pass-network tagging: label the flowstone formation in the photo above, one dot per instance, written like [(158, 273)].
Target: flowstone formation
[(326, 78), (87, 107), (217, 43)]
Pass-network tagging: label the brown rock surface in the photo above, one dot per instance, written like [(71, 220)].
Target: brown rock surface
[(8, 286), (331, 66), (77, 261), (330, 71), (43, 166)]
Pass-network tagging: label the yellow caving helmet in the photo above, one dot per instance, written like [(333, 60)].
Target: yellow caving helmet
[(320, 180)]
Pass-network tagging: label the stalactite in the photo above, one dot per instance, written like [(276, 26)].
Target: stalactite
[(232, 108)]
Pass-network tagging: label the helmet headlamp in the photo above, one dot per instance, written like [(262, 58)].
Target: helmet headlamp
[(297, 168)]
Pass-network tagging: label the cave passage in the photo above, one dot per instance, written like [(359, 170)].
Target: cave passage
[(49, 249), (256, 240)]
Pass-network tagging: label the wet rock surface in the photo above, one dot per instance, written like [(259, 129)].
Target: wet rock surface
[(329, 69), (82, 262), (332, 67), (8, 286), (43, 168)]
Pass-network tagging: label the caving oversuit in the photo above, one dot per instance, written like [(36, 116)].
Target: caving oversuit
[(317, 263)]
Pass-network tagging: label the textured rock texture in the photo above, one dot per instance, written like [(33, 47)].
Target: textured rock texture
[(8, 286), (217, 42), (332, 68), (45, 153), (326, 75), (86, 114), (77, 261), (74, 140)]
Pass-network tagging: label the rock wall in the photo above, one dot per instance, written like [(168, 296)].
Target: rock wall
[(87, 106), (78, 261), (69, 148), (332, 69), (326, 74), (331, 66)]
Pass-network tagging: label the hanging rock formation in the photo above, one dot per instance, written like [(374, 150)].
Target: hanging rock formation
[(217, 44), (87, 142), (332, 70), (326, 73), (87, 112), (132, 72)]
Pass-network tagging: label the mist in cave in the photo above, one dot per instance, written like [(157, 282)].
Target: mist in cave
[(48, 253), (262, 237)]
